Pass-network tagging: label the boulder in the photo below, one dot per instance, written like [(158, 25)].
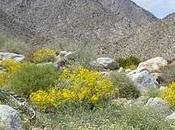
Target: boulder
[(153, 65), (103, 63), (10, 117), (143, 79), (159, 104), (14, 56)]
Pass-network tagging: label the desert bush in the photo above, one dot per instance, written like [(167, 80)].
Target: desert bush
[(154, 92), (168, 94), (44, 54), (144, 118), (3, 78), (31, 78), (10, 65), (126, 87), (13, 44), (106, 116), (130, 62), (80, 84)]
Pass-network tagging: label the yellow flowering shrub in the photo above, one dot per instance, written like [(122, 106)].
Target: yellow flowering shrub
[(76, 85), (87, 84), (43, 55), (3, 78), (168, 94), (11, 65)]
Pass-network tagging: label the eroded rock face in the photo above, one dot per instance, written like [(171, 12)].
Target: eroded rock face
[(10, 118), (14, 56), (143, 79), (154, 64), (103, 63)]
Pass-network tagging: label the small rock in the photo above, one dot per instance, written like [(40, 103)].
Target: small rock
[(128, 70), (105, 63), (66, 55), (97, 66), (158, 103), (154, 64), (121, 69), (10, 117), (14, 56), (171, 117)]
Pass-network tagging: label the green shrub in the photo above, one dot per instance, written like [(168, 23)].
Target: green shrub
[(130, 62), (126, 87), (144, 118), (154, 92), (31, 78)]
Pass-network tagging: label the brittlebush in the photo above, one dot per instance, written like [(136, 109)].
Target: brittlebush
[(43, 54), (3, 79), (76, 85), (168, 94), (10, 66)]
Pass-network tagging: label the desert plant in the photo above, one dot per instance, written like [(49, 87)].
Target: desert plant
[(44, 54), (130, 62), (126, 87), (79, 85), (106, 116), (11, 65), (3, 78), (144, 118), (154, 92), (13, 44), (168, 94), (31, 78)]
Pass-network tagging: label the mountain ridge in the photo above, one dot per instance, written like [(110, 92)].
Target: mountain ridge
[(112, 27)]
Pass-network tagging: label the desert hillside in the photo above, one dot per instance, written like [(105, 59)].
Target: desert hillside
[(100, 23)]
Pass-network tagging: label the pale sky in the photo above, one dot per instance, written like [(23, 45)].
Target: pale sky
[(160, 8)]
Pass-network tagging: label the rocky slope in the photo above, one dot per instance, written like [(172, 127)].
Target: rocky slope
[(88, 21), (157, 39), (112, 27)]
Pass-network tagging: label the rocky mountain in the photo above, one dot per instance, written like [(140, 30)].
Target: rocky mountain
[(112, 27), (96, 22), (157, 39)]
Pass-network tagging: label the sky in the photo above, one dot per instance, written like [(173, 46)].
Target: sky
[(160, 8)]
